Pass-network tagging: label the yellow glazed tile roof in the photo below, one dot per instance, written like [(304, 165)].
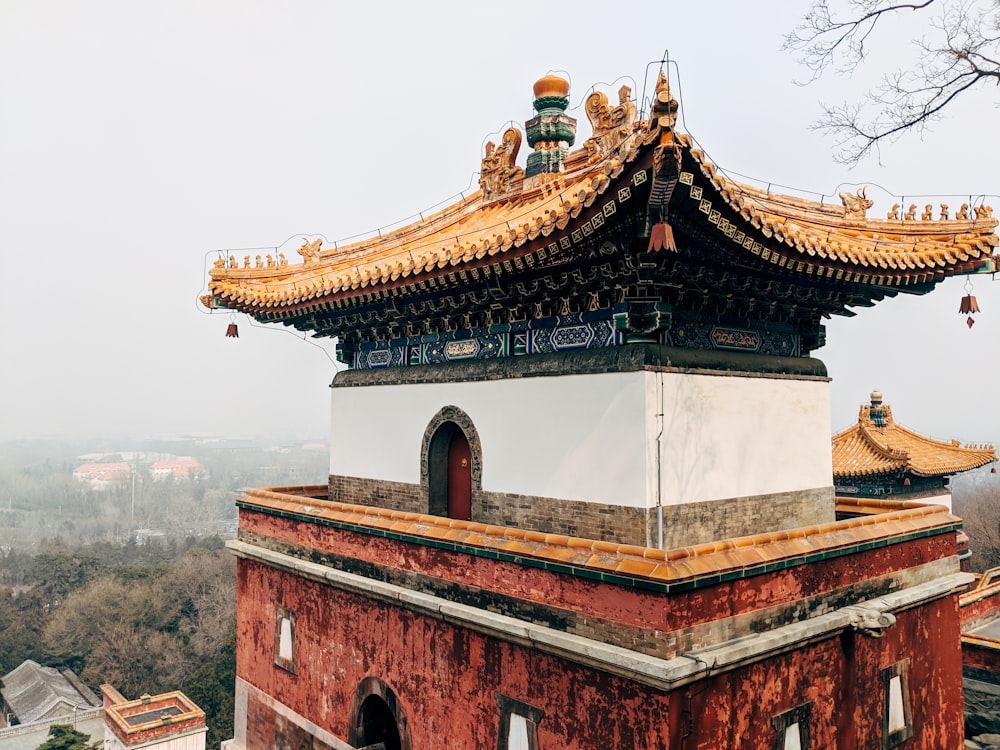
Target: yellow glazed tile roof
[(820, 232), (500, 223), (712, 558), (470, 232), (878, 445)]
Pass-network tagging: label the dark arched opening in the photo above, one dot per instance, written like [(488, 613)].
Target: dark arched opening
[(377, 720), (377, 726)]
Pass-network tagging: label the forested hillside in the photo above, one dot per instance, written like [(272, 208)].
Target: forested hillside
[(130, 584)]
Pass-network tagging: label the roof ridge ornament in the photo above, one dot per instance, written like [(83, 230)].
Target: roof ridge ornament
[(856, 205), (612, 125), (664, 112), (551, 131), (310, 251), (666, 169), (499, 176)]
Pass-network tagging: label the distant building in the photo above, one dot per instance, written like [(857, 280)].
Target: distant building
[(33, 693), (879, 458), (580, 483), (180, 468), (980, 613), (170, 721), (102, 476)]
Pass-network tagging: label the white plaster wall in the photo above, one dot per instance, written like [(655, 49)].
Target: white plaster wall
[(594, 437), (730, 436), (576, 437)]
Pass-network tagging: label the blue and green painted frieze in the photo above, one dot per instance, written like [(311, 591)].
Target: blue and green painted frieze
[(586, 330)]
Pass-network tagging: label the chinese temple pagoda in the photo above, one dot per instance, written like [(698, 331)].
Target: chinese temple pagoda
[(878, 457), (579, 490)]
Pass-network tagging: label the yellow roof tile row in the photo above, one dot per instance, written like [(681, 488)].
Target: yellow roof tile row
[(868, 449), (475, 230), (825, 231), (641, 562), (469, 231)]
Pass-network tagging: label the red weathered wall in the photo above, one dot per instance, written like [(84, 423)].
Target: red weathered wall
[(979, 605), (981, 657), (446, 679), (644, 609)]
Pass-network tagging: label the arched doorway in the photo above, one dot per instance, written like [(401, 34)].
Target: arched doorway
[(459, 491), (376, 726), (451, 464), (377, 719)]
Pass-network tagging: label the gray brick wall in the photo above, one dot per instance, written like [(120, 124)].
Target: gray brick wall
[(683, 525)]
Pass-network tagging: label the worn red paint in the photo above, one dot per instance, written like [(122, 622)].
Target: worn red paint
[(447, 677)]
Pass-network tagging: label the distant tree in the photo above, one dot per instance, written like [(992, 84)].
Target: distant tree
[(207, 582), (980, 512), (137, 659), (65, 737), (960, 53), (19, 640), (213, 688), (57, 573)]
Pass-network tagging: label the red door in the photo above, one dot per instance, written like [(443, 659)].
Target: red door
[(459, 478)]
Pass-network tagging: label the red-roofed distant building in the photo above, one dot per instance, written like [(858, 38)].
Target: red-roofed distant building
[(181, 468), (102, 476)]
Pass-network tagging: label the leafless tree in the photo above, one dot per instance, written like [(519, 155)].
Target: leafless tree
[(960, 52)]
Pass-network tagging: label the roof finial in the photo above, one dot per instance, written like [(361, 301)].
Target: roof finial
[(877, 412), (550, 132)]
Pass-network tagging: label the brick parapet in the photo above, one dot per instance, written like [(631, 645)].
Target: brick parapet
[(120, 717), (683, 525), (621, 583)]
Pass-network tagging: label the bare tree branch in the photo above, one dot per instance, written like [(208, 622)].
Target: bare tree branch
[(962, 53)]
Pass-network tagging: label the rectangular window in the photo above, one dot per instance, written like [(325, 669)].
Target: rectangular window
[(284, 639), (518, 724), (897, 719), (792, 727)]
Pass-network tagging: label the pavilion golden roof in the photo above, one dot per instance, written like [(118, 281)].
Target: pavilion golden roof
[(512, 214), (877, 445), (469, 232)]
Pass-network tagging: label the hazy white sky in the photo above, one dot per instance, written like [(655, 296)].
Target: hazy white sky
[(138, 138)]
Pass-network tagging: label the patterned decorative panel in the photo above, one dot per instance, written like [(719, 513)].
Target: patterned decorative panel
[(693, 334), (381, 354), (448, 347), (735, 338), (584, 330), (572, 332)]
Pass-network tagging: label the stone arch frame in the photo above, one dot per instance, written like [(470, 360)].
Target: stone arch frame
[(367, 688), (435, 451)]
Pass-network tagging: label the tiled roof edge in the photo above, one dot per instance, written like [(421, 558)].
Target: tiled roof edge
[(630, 565)]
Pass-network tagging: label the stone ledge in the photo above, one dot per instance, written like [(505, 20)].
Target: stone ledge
[(664, 674)]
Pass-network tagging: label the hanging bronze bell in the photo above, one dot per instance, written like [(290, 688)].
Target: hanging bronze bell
[(968, 305), (661, 237), (232, 332)]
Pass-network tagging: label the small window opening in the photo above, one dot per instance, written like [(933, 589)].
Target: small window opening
[(897, 718), (792, 727), (284, 640), (518, 724)]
